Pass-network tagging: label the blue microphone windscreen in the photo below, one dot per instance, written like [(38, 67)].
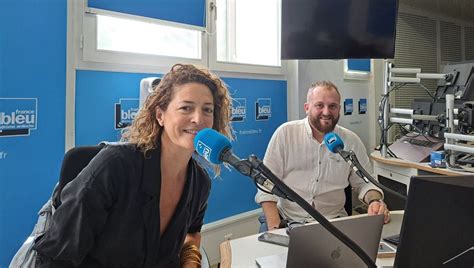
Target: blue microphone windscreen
[(333, 141), (210, 144)]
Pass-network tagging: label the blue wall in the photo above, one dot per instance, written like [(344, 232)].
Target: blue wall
[(234, 193), (32, 66), (97, 93)]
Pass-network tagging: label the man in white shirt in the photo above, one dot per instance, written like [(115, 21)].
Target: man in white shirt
[(296, 154)]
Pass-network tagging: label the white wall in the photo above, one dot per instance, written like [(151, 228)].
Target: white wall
[(293, 104)]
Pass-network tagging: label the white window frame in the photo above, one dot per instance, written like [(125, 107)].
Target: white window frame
[(89, 57), (214, 64), (357, 75)]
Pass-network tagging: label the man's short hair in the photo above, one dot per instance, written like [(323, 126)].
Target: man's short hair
[(324, 84)]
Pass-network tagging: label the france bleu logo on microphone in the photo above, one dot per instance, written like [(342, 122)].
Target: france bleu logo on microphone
[(330, 139), (211, 144), (333, 142), (204, 150)]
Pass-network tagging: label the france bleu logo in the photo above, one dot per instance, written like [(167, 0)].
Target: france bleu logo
[(204, 150), (263, 109), (125, 112), (18, 116), (239, 109)]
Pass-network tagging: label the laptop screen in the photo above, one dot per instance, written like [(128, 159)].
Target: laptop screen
[(438, 225), (313, 246)]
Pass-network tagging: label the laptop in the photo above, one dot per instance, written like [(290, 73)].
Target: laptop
[(313, 246), (416, 148)]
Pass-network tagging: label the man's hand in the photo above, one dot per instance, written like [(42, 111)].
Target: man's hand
[(379, 207)]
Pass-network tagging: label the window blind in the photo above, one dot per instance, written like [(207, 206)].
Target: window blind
[(190, 12)]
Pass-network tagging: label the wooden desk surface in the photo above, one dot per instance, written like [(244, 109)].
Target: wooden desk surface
[(242, 252), (409, 164)]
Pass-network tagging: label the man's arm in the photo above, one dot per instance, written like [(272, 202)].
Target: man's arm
[(275, 161), (271, 214), (368, 192), (372, 195), (376, 206)]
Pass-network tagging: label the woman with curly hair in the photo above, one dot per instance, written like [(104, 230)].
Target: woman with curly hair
[(142, 203)]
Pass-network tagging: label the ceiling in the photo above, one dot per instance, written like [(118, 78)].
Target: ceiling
[(459, 9)]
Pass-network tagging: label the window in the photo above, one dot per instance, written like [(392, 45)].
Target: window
[(357, 69), (116, 38), (248, 31), (241, 36), (127, 35), (245, 36)]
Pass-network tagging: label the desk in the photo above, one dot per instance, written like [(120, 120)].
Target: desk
[(242, 252), (401, 170), (396, 174)]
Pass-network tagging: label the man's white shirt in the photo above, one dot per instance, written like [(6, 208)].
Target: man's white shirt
[(312, 171)]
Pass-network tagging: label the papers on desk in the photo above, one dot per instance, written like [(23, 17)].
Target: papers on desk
[(272, 261)]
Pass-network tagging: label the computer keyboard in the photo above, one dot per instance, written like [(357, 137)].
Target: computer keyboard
[(394, 239), (424, 143)]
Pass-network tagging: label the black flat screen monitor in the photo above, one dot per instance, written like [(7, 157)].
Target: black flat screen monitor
[(421, 107), (338, 29), (438, 223), (460, 83)]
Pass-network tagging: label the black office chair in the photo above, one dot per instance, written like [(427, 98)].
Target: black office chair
[(348, 204), (75, 160)]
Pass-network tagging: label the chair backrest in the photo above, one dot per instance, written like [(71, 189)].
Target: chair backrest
[(75, 160), (348, 204)]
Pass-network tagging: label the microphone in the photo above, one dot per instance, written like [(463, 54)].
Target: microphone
[(216, 148), (335, 144)]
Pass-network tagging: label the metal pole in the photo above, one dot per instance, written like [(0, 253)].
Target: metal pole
[(459, 137), (386, 87), (450, 125), (405, 70), (401, 111)]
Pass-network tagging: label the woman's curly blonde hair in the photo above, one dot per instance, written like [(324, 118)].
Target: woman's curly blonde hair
[(145, 131)]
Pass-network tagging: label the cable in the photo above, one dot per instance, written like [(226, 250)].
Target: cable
[(382, 103), (420, 133), (429, 93), (456, 168)]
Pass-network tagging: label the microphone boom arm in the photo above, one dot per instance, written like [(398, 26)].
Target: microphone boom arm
[(245, 167), (352, 160)]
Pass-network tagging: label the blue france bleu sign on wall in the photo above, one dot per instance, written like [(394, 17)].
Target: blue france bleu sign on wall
[(18, 116)]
